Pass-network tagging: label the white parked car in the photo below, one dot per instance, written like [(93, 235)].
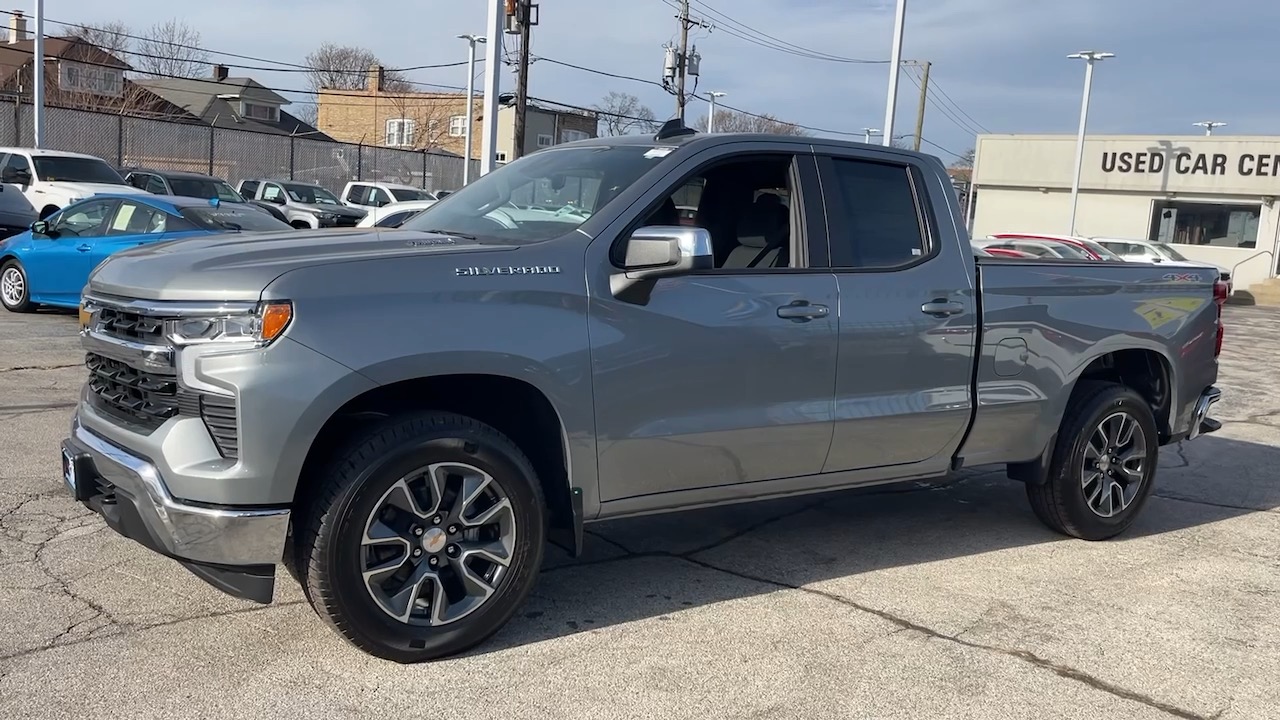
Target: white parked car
[(1148, 251), (365, 194), (36, 183), (393, 215)]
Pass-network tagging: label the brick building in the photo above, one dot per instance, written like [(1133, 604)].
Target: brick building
[(414, 120)]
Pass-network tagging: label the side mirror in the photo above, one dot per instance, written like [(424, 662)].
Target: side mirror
[(40, 227), (1157, 259), (277, 200), (20, 177), (660, 251)]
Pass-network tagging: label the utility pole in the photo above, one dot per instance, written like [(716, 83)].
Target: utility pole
[(680, 61), (924, 96), (525, 19), (37, 71)]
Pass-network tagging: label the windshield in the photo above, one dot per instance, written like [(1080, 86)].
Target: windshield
[(202, 188), (1169, 252), (310, 194), (233, 217), (403, 195), (540, 196), (50, 168)]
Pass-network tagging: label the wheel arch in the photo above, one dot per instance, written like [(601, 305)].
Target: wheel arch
[(1146, 370), (515, 407)]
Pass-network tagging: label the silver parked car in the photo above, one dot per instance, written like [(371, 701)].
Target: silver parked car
[(1149, 251)]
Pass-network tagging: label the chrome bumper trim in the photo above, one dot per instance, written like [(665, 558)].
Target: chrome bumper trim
[(1201, 413), (219, 535), (154, 358)]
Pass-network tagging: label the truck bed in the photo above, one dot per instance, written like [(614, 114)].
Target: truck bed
[(1044, 322)]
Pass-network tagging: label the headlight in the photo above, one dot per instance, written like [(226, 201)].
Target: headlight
[(327, 216), (259, 328)]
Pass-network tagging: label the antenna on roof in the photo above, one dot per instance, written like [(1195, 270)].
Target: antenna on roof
[(673, 128)]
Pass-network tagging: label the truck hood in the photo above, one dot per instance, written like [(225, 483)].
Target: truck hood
[(85, 189), (334, 209), (237, 267)]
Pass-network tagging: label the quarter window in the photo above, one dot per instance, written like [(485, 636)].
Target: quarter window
[(878, 221)]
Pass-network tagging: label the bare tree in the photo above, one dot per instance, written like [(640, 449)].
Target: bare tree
[(729, 121), (346, 67), (965, 160), (113, 37), (423, 118), (171, 49), (623, 114)]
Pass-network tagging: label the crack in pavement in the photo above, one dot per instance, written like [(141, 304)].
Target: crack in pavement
[(903, 624), (1226, 506), (40, 367)]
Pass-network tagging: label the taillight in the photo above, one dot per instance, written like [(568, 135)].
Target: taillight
[(1219, 299)]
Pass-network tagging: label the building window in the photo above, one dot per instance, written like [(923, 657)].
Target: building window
[(1193, 223), (501, 157), (400, 132), (572, 135), (458, 125), (255, 111), (545, 141)]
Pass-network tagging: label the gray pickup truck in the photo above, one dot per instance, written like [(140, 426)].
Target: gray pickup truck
[(403, 418)]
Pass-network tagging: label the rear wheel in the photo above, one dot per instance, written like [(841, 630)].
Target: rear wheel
[(1103, 466), (424, 537), (15, 292)]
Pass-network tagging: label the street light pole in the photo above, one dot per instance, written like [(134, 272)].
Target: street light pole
[(1089, 57), (711, 115), (492, 74), (471, 106), (867, 133), (1209, 125), (895, 67), (37, 71)]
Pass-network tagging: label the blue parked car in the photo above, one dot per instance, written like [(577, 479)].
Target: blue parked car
[(50, 263)]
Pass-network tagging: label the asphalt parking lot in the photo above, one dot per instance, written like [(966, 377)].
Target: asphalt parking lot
[(919, 601)]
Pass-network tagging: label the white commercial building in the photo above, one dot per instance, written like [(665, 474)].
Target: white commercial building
[(1212, 196)]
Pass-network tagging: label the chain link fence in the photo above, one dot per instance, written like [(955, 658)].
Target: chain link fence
[(233, 155)]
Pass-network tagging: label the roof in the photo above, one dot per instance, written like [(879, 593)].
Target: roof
[(379, 183), (170, 173), (14, 56), (168, 203), (212, 101)]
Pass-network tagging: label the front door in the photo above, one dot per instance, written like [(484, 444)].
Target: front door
[(723, 377), (907, 314), (59, 266)]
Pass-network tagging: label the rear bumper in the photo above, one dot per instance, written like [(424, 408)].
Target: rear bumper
[(235, 549), (1201, 423)]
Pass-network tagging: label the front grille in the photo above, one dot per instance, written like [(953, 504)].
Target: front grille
[(219, 415), (128, 325), (135, 396), (344, 221)]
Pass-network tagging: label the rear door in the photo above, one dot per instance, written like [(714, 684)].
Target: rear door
[(722, 377), (907, 312)]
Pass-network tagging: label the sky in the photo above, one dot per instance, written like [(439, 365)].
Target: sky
[(997, 65)]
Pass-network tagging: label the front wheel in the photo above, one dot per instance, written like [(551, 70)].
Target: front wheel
[(1104, 464), (423, 538), (15, 291)]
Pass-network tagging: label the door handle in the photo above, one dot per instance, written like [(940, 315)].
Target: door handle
[(941, 307), (84, 247), (802, 311)]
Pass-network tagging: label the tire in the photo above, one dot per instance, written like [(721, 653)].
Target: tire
[(15, 291), (1068, 501), (377, 472)]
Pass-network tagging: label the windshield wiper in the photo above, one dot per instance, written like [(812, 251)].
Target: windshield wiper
[(450, 233)]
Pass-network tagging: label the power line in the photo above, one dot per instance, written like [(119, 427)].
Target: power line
[(745, 32), (947, 113), (286, 66), (957, 107)]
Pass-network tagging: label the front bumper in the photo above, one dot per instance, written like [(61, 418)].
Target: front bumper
[(233, 548), (1201, 423)]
